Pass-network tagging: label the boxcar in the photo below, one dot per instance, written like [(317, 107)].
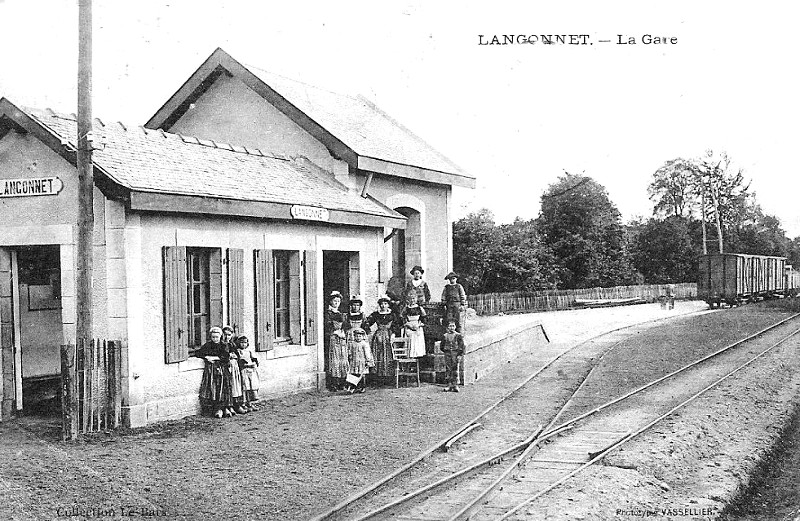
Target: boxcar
[(792, 281), (733, 278)]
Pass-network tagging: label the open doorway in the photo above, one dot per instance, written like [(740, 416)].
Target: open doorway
[(340, 272), (38, 328)]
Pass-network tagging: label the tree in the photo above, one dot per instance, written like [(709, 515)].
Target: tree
[(760, 234), (708, 183), (509, 257), (582, 228), (723, 191), (663, 251), (474, 241), (672, 188)]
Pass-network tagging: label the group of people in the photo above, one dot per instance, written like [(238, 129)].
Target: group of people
[(230, 381), (351, 358)]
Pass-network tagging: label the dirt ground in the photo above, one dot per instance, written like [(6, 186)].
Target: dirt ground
[(300, 454)]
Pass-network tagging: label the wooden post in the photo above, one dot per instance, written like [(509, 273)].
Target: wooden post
[(69, 403), (115, 355), (109, 397), (85, 174), (97, 395), (87, 384)]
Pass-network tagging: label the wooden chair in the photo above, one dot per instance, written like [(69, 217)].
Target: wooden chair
[(404, 365)]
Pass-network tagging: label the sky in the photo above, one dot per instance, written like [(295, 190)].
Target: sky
[(514, 116)]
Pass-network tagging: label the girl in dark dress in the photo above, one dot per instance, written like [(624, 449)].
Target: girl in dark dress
[(215, 388), (386, 323)]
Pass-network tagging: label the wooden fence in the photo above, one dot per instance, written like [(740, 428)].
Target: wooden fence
[(90, 386), (550, 300)]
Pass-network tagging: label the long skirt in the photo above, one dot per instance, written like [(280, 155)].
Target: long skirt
[(382, 352), (236, 380), (337, 357), (212, 384), (416, 342), (221, 386), (250, 379)]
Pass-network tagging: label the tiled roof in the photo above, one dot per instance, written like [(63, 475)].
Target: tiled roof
[(359, 124), (160, 162)]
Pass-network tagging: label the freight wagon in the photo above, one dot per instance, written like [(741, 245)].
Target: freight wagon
[(733, 278)]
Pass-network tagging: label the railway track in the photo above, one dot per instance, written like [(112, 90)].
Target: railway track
[(586, 439), (477, 455)]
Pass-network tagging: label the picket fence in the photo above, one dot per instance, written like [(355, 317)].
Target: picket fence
[(551, 300), (90, 387)]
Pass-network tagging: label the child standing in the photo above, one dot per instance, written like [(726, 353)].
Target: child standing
[(250, 381), (413, 322), (453, 349), (454, 300), (361, 359)]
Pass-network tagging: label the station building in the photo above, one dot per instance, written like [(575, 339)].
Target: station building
[(244, 200)]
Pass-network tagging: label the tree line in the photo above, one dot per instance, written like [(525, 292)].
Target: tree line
[(578, 240)]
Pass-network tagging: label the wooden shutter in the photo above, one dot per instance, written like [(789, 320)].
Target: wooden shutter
[(265, 301), (236, 289), (215, 315), (310, 268), (176, 338), (295, 324)]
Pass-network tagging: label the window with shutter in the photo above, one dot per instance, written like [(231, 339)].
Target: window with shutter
[(236, 289), (192, 298), (310, 269), (176, 333), (295, 325), (286, 279), (282, 296), (264, 299)]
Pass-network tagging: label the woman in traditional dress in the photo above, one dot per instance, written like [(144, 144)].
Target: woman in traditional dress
[(337, 343), (386, 323), (413, 323), (215, 387), (419, 286)]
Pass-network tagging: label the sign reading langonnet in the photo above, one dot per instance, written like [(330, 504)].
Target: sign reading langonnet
[(310, 213), (30, 187)]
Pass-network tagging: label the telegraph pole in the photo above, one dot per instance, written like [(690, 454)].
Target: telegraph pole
[(85, 175)]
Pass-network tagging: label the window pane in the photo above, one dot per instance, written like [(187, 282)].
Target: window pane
[(198, 328), (197, 298), (195, 267)]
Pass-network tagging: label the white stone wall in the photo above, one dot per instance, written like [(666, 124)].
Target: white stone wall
[(159, 391)]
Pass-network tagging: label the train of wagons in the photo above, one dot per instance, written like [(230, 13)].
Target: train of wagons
[(735, 278)]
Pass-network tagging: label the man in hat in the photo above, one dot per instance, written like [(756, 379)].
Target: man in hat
[(454, 300), (418, 286)]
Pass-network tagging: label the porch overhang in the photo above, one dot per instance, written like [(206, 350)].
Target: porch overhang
[(141, 201)]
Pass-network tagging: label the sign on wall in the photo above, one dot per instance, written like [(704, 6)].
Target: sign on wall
[(310, 213), (30, 187)]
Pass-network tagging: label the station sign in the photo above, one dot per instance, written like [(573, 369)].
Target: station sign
[(310, 213), (30, 187)]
